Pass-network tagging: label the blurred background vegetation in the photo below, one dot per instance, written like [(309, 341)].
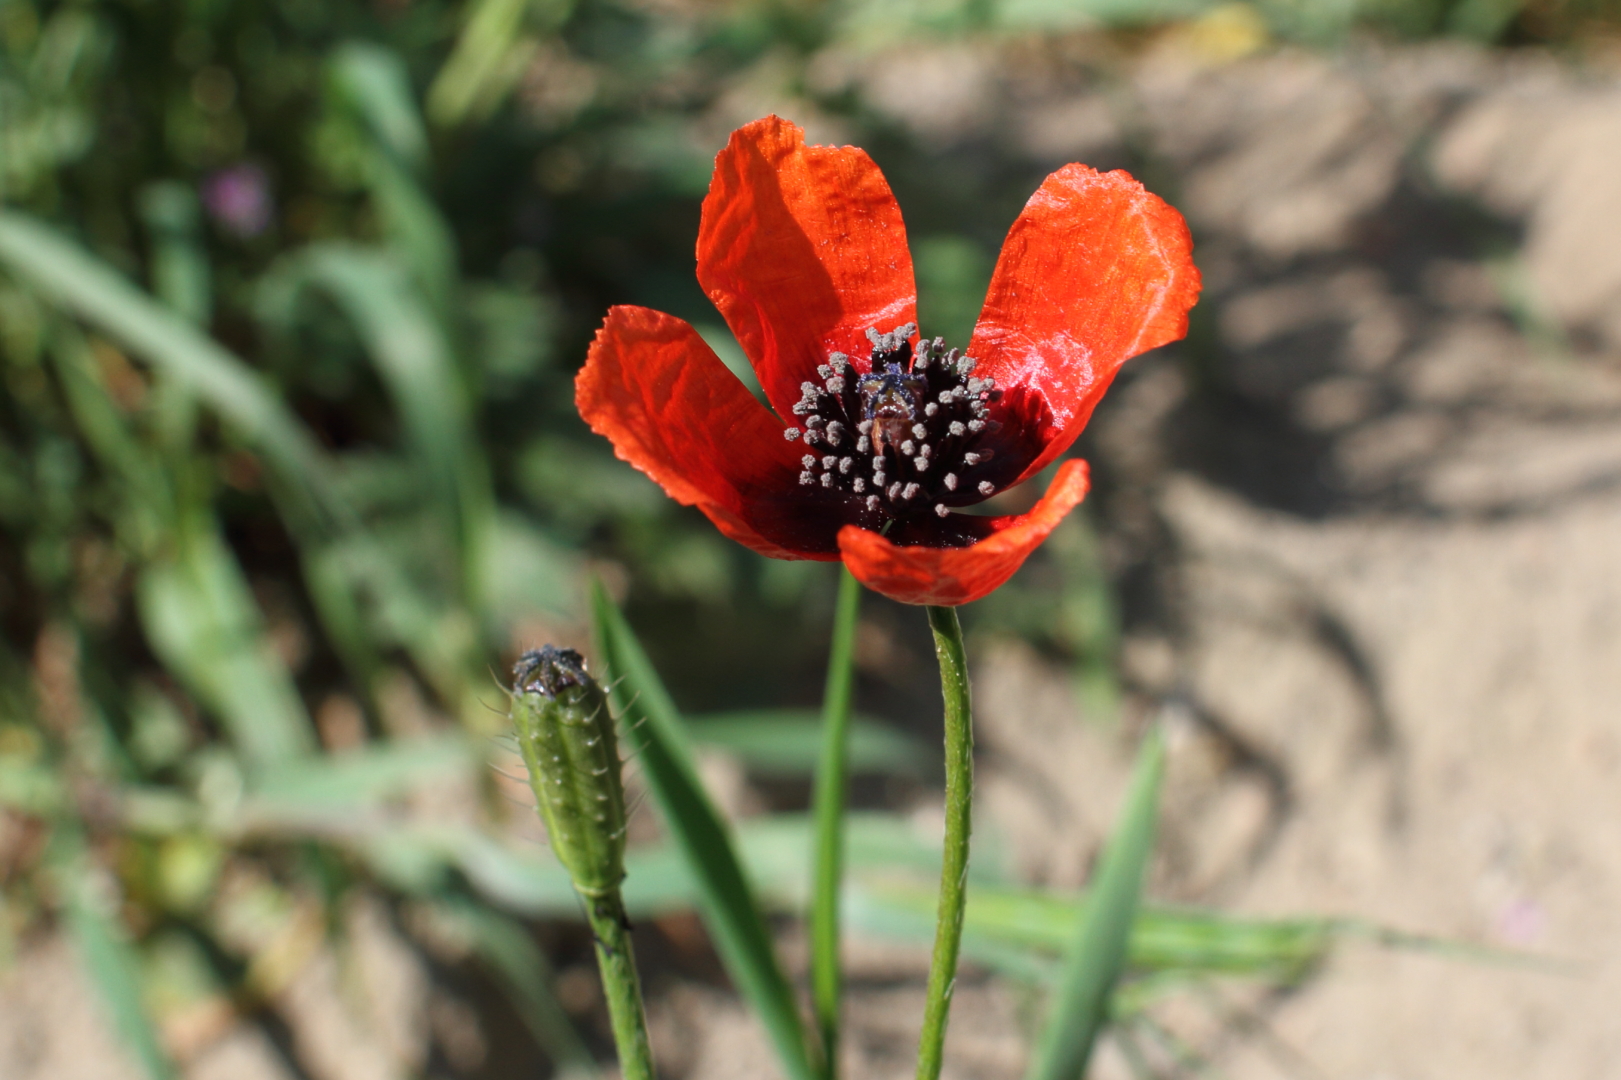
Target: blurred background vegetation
[(291, 297)]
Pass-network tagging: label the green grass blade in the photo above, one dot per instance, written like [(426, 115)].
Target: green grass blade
[(201, 619), (409, 350), (832, 789), (110, 962), (91, 290), (374, 82), (1097, 955), (788, 742), (727, 899)]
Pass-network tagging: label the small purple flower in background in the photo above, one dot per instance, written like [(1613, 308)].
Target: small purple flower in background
[(238, 199)]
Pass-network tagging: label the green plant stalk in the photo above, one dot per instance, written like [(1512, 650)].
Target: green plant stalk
[(948, 649), (832, 776), (620, 984)]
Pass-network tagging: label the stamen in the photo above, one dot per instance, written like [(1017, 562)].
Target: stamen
[(827, 480), (844, 465), (865, 427), (809, 461), (860, 485), (957, 428), (911, 491), (940, 508), (824, 371), (835, 432), (951, 481), (893, 490), (973, 425), (878, 463), (790, 433), (985, 487), (872, 502), (815, 422), (807, 478), (930, 409), (809, 389), (919, 432), (835, 385), (908, 448), (921, 462), (863, 445), (801, 408), (829, 461)]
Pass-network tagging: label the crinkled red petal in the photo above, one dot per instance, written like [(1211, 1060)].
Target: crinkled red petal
[(949, 576), (673, 410), (802, 249), (1095, 270)]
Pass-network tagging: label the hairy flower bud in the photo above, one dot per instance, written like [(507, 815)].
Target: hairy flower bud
[(566, 735)]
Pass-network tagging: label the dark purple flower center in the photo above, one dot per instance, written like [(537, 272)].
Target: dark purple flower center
[(908, 437)]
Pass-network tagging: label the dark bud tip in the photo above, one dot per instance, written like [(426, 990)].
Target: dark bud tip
[(548, 670)]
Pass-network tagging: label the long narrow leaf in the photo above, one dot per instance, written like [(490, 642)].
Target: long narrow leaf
[(727, 899), (93, 291), (109, 960), (1097, 955)]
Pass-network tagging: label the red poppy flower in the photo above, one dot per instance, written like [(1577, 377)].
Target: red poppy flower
[(877, 436)]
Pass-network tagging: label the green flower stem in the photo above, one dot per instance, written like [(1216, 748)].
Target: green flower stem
[(831, 783), (620, 984), (948, 650)]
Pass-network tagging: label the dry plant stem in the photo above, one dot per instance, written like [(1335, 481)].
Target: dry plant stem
[(948, 649), (620, 984), (831, 784)]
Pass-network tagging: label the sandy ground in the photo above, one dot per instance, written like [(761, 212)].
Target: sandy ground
[(1370, 521)]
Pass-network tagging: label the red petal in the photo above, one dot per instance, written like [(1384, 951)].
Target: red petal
[(802, 249), (1095, 270), (959, 575), (670, 408)]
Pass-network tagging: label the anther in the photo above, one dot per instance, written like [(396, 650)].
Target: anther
[(809, 461), (815, 422), (860, 485), (947, 396), (835, 385), (940, 508), (824, 371), (908, 448), (930, 409), (894, 490), (863, 445), (921, 462), (957, 428), (801, 408), (968, 365), (827, 479), (878, 463), (809, 389), (844, 465), (951, 481), (973, 425), (835, 432), (807, 478), (790, 433), (865, 427), (829, 461), (911, 491), (872, 502), (919, 431), (985, 487)]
